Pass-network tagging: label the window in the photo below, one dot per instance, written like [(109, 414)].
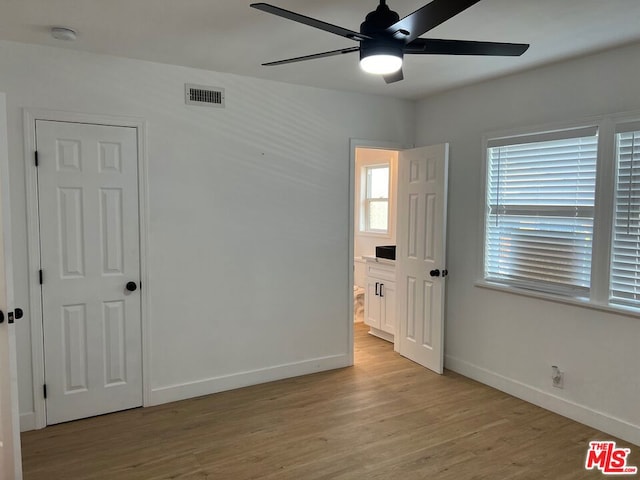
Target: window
[(625, 249), (540, 211), (375, 218), (543, 211)]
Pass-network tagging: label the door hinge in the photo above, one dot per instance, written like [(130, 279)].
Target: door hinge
[(36, 157), (44, 390), (40, 276)]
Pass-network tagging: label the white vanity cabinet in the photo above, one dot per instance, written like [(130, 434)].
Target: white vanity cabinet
[(380, 297)]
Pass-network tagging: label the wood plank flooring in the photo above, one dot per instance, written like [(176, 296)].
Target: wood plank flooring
[(384, 418)]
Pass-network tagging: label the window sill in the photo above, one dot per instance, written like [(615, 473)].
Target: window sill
[(584, 303), (374, 234)]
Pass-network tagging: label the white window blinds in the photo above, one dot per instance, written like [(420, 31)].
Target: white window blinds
[(540, 207), (625, 250)]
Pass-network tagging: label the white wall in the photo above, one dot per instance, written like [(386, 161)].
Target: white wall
[(248, 258), (511, 341)]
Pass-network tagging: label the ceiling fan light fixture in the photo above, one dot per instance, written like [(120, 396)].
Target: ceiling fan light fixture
[(380, 58), (381, 64), (384, 37)]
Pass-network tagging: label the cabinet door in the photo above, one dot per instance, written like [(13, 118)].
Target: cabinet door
[(388, 308), (372, 303)]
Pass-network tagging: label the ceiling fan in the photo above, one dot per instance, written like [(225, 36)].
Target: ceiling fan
[(384, 38)]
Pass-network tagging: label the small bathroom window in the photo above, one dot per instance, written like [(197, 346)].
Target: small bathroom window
[(375, 208)]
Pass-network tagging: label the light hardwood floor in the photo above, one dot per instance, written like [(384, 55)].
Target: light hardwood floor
[(385, 418)]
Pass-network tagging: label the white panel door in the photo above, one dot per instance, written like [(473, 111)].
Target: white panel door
[(420, 259), (89, 237), (10, 461)]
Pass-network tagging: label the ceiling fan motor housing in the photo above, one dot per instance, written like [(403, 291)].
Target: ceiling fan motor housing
[(376, 24), (379, 20), (381, 46)]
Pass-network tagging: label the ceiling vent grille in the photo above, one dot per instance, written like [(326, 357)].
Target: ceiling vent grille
[(201, 95)]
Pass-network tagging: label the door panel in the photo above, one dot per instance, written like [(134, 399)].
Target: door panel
[(372, 305), (422, 208), (89, 234), (389, 305)]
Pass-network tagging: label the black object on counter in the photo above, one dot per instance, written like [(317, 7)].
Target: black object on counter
[(386, 251)]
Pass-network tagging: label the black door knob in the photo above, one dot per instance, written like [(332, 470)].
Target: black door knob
[(435, 273), (132, 286), (18, 313)]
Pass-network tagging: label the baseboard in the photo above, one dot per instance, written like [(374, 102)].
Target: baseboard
[(27, 421), (208, 386), (580, 413), (380, 334)]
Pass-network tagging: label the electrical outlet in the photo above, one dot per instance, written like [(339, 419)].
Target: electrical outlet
[(557, 377)]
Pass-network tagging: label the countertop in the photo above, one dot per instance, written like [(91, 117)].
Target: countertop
[(384, 261)]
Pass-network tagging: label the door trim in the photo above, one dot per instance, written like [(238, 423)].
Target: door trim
[(11, 461), (33, 245)]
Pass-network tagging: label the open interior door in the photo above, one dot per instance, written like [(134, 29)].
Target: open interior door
[(10, 458), (420, 256)]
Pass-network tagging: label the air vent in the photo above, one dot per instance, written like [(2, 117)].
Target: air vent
[(207, 96)]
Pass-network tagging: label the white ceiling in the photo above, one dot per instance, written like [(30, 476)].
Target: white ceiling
[(228, 36)]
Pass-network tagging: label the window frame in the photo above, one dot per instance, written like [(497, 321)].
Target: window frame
[(603, 231), (528, 139), (366, 200), (620, 127)]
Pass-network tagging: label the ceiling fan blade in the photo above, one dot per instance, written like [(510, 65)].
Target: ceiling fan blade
[(394, 77), (429, 16), (436, 46), (312, 22), (313, 57)]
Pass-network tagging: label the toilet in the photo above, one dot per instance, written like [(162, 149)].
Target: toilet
[(358, 304)]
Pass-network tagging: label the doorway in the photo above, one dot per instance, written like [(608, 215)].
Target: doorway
[(375, 226), (89, 247), (404, 282), (377, 161)]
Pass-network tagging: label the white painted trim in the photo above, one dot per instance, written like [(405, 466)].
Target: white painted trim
[(575, 411), (604, 201), (143, 205), (351, 249), (209, 386), (10, 448), (528, 130), (553, 297), (33, 264), (27, 421), (389, 337), (30, 116), (482, 211)]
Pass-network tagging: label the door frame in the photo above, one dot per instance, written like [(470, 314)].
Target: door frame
[(11, 451), (355, 143), (33, 245)]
